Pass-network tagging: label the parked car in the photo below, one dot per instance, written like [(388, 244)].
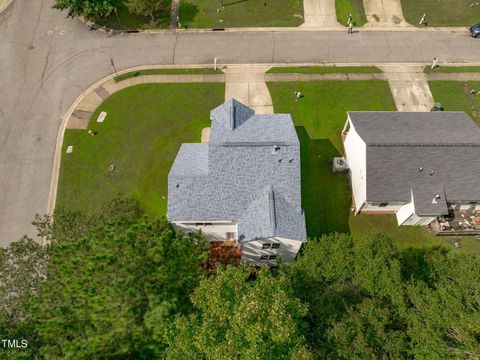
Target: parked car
[(475, 30)]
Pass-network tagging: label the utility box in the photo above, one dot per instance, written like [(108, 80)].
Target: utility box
[(339, 164)]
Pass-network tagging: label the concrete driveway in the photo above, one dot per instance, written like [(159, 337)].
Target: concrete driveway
[(384, 13), (47, 61)]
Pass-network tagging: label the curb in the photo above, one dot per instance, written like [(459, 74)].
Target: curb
[(4, 5), (406, 28)]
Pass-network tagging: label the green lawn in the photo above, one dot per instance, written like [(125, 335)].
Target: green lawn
[(240, 13), (141, 136), (325, 69), (326, 197), (124, 20), (457, 96), (346, 7), (451, 69), (166, 72), (441, 12), (319, 117)]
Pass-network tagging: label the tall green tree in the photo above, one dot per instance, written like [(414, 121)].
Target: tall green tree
[(104, 290), (241, 316), (445, 318), (22, 269), (147, 7), (90, 9)]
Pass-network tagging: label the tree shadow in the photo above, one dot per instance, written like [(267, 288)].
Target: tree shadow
[(326, 196), (187, 12)]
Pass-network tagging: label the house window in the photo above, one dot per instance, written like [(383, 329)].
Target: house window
[(265, 246), (263, 257), (230, 236), (385, 204), (276, 246), (272, 257)]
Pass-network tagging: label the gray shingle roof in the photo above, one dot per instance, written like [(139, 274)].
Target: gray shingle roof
[(238, 176), (422, 128), (446, 146)]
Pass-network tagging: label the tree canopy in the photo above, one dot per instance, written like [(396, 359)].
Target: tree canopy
[(120, 285)]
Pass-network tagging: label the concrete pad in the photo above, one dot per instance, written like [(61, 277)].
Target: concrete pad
[(409, 87), (100, 91), (101, 117), (90, 102), (247, 85), (238, 91), (384, 13), (205, 135), (319, 13), (69, 149), (77, 123)]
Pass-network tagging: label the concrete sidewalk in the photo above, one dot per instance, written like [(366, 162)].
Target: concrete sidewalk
[(409, 87), (319, 13)]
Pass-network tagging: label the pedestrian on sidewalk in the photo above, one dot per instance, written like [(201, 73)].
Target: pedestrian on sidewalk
[(350, 28)]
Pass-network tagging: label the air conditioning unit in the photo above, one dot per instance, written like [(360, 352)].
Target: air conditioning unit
[(339, 164)]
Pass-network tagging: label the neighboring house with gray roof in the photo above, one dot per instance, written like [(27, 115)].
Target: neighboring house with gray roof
[(417, 165), (243, 185)]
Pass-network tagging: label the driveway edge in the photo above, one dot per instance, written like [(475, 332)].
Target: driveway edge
[(4, 5)]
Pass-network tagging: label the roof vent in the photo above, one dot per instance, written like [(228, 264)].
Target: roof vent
[(177, 186), (290, 160), (432, 172), (434, 201), (280, 160), (420, 169), (276, 149)]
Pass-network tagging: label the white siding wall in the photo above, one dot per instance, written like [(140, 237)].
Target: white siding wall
[(356, 152), (252, 251), (391, 207), (216, 231)]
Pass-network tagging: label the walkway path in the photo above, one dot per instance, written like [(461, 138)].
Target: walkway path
[(247, 85), (384, 13), (319, 13), (409, 87)]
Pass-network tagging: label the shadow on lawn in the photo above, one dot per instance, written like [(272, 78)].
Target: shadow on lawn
[(326, 196), (187, 12)]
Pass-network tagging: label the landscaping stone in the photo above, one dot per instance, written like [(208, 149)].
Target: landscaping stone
[(69, 149)]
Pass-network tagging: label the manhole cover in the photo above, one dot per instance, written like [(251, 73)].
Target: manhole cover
[(396, 19)]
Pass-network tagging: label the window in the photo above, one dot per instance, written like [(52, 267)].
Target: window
[(263, 257), (276, 246), (383, 205), (265, 246), (272, 257)]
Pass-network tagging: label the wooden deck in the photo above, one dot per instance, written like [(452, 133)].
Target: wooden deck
[(223, 252)]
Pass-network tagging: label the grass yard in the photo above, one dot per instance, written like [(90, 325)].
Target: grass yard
[(133, 74), (451, 69), (456, 96), (240, 13), (326, 197), (325, 69), (124, 20), (346, 7), (141, 136), (442, 12)]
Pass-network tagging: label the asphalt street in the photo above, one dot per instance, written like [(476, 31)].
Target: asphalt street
[(47, 60)]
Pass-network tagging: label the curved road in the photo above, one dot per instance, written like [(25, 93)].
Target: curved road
[(47, 60)]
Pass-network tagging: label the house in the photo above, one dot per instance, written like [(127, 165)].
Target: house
[(418, 165), (242, 186)]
